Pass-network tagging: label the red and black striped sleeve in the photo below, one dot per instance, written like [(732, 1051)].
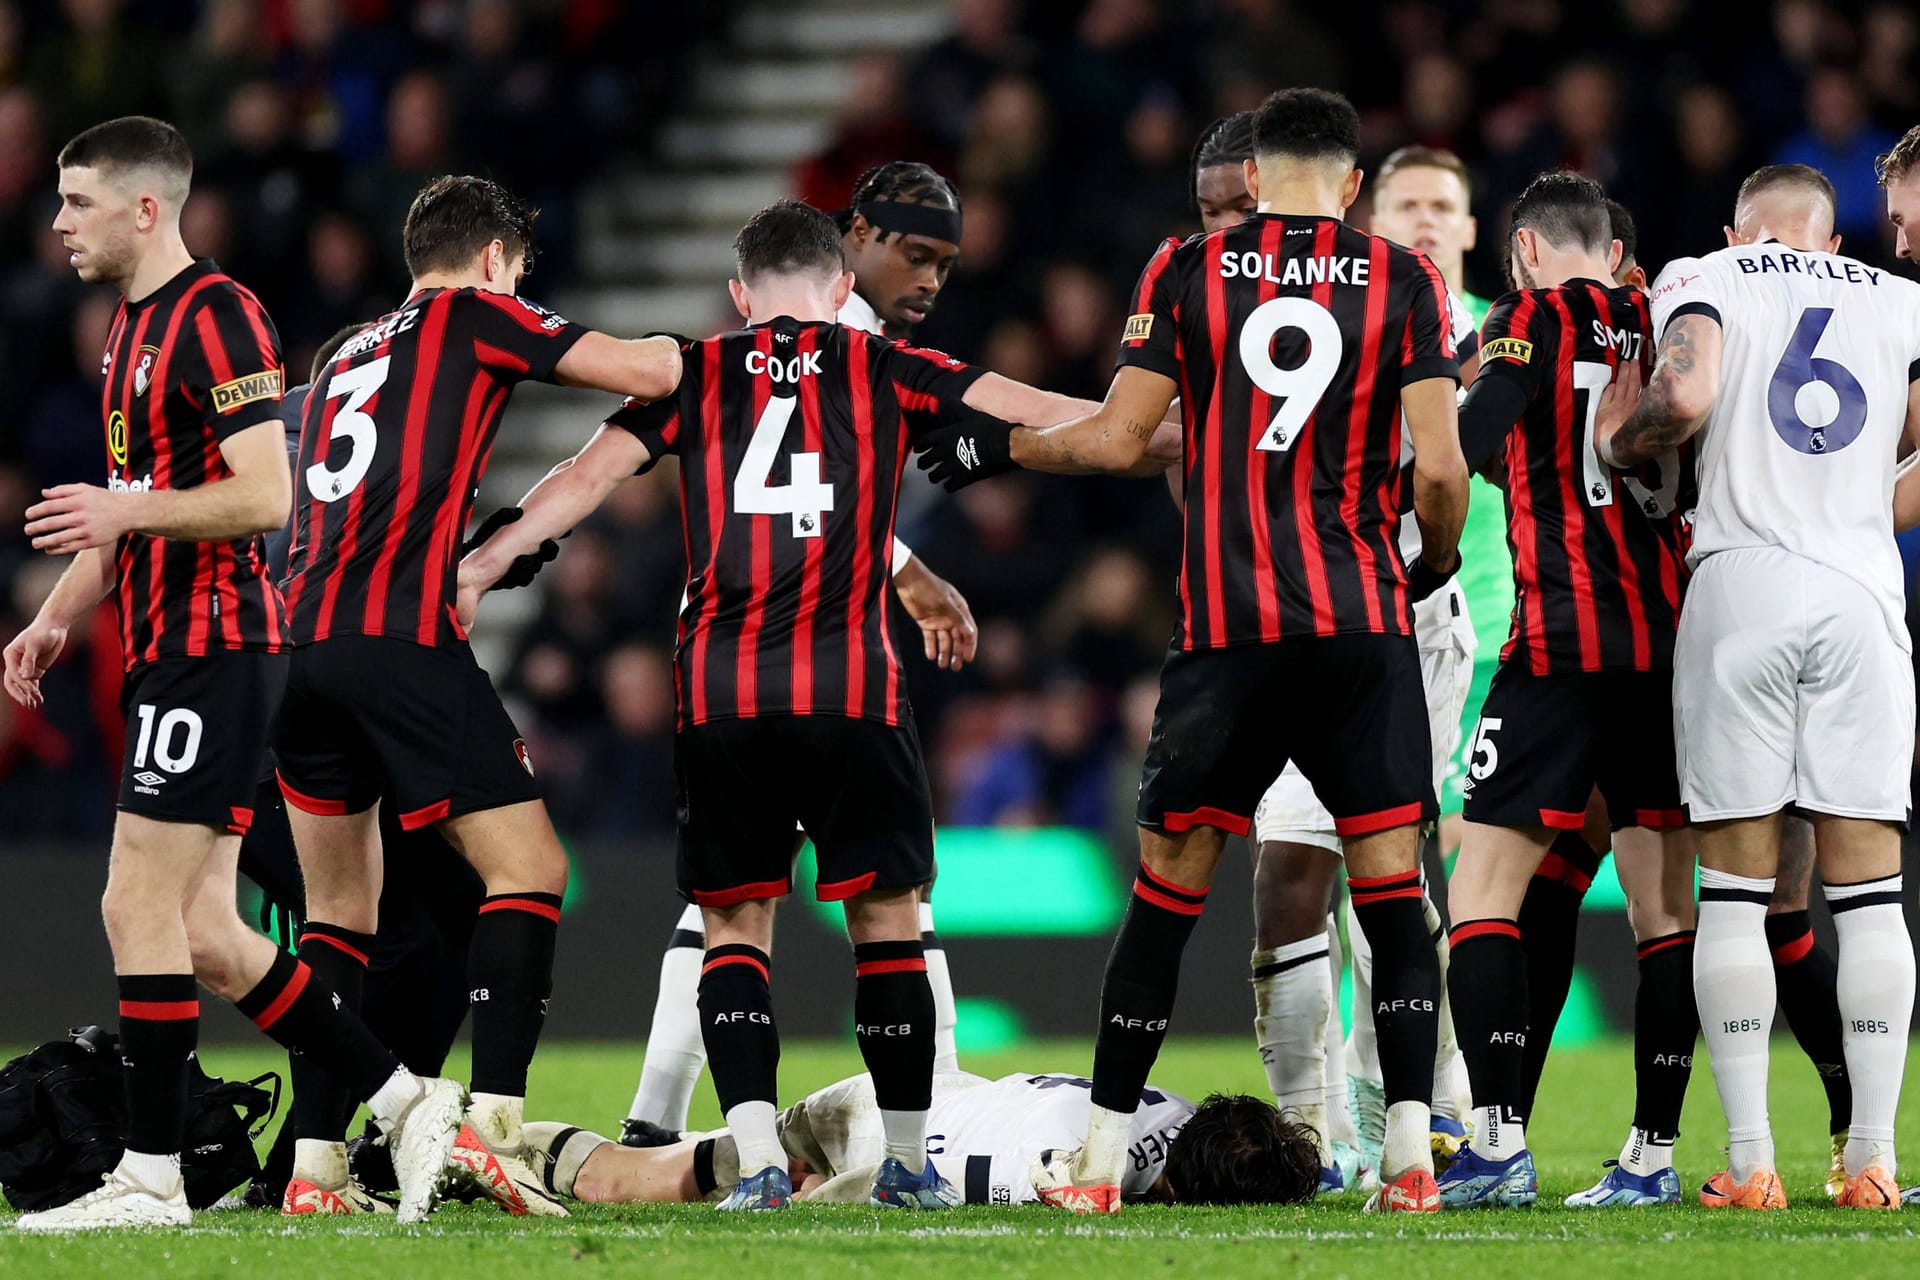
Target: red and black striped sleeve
[(930, 385), (655, 425), (1427, 349), (1151, 339), (234, 371), (518, 340)]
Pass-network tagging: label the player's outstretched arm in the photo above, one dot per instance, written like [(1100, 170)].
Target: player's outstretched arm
[(83, 586), (1114, 439), (644, 368), (1031, 407), (947, 629), (1440, 489), (256, 498), (564, 497), (1633, 426)]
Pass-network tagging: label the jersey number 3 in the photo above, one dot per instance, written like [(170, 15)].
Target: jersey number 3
[(354, 424), (804, 496)]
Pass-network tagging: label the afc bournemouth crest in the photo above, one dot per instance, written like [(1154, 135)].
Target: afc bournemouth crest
[(520, 749), (143, 362)]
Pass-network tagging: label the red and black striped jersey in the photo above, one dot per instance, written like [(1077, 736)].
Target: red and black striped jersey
[(186, 367), (1598, 556), (395, 439), (1289, 339), (791, 439)]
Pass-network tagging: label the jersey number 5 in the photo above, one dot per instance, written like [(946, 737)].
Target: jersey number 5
[(353, 423), (1298, 390), (803, 497)]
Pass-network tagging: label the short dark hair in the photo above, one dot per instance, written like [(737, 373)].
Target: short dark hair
[(323, 355), (1418, 157), (900, 182), (785, 238), (1228, 140), (1804, 176), (131, 142), (455, 217), (1566, 210), (1897, 163), (1624, 231), (1307, 124), (1237, 1149)]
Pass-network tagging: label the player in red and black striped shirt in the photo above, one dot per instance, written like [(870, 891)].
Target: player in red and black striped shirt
[(1583, 693), (1297, 347), (198, 471), (791, 435), (384, 696)]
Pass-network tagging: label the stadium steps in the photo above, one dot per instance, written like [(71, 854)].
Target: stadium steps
[(656, 239)]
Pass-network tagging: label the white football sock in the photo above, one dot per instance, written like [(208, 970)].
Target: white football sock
[(1104, 1158), (1734, 987), (395, 1096), (946, 1015), (320, 1162), (755, 1137), (1875, 986), (1496, 1134), (1409, 1143), (906, 1134), (1363, 1049), (675, 1052), (1339, 1114), (1644, 1155), (159, 1174), (1291, 1007)]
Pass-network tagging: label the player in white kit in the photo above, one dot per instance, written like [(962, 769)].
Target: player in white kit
[(1226, 1150), (1793, 682)]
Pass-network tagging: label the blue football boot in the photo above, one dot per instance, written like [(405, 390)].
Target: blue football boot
[(770, 1188), (895, 1188), (1621, 1188), (1474, 1182)]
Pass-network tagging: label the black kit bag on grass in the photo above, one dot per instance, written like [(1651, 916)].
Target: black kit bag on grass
[(63, 1113)]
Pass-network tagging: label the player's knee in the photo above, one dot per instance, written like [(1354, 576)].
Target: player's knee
[(216, 944)]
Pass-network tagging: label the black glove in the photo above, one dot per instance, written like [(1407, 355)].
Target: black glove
[(524, 568), (1423, 580), (967, 448)]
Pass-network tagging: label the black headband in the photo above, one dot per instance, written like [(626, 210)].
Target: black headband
[(912, 219)]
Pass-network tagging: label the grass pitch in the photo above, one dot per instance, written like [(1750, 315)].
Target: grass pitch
[(1585, 1106)]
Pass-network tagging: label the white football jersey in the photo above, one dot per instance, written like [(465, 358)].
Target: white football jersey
[(1799, 450), (986, 1138), (1433, 618), (858, 313)]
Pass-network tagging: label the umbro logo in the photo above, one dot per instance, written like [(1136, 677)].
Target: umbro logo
[(148, 778), (967, 452)]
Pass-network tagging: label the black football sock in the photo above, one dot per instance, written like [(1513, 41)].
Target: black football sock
[(510, 967), (1665, 1025), (337, 958), (1549, 926), (1807, 982), (893, 1018), (159, 1025), (1136, 996), (1487, 979), (304, 1017), (1406, 982), (736, 1023)]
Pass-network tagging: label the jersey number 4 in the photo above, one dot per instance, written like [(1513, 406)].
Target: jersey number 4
[(804, 496)]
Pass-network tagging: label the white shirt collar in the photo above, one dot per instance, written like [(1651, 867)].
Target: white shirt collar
[(858, 313)]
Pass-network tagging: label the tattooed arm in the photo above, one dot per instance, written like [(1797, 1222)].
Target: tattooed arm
[(1633, 426), (1112, 439)]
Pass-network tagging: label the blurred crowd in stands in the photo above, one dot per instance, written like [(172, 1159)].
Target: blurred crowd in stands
[(1067, 125)]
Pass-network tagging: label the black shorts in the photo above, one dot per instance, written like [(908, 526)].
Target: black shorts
[(1350, 710), (858, 788), (196, 732), (1544, 743), (367, 716)]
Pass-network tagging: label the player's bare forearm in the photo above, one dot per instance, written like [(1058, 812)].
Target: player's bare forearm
[(644, 368), (88, 580), (1029, 406), (1677, 399), (1114, 439), (1906, 487), (562, 498), (256, 498)]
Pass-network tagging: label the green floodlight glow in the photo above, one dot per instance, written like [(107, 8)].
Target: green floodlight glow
[(1582, 1021), (987, 1026), (1004, 881)]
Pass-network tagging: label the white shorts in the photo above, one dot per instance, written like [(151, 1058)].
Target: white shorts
[(1291, 813), (1789, 688)]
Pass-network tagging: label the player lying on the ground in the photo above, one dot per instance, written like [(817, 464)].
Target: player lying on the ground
[(1226, 1150)]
